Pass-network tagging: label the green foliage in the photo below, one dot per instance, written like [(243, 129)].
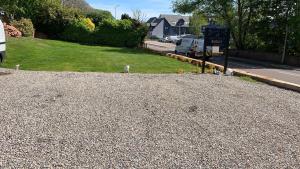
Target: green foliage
[(87, 22), (295, 34), (98, 16), (25, 26), (248, 79), (52, 55), (125, 16), (119, 33), (79, 30), (53, 20), (48, 16), (254, 24), (237, 15), (63, 21), (197, 20), (82, 5)]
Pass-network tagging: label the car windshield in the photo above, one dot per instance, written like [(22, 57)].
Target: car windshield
[(178, 43)]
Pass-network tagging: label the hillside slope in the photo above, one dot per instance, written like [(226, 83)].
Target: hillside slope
[(80, 4)]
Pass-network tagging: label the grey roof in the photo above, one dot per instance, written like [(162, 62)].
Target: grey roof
[(154, 21), (149, 21), (173, 19)]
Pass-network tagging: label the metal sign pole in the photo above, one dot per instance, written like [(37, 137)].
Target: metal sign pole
[(226, 60), (226, 50), (204, 55)]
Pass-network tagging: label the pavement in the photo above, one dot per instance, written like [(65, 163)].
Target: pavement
[(285, 73), (98, 120), (160, 46)]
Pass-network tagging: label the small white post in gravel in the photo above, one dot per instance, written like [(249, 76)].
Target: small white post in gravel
[(229, 72), (17, 67), (126, 69)]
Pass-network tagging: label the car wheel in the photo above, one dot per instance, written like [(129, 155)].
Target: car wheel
[(1, 58)]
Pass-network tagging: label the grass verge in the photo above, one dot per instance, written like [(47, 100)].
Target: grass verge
[(248, 79), (52, 55)]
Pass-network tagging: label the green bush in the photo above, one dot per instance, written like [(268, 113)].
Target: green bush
[(98, 16), (121, 33), (79, 31), (53, 22), (25, 26)]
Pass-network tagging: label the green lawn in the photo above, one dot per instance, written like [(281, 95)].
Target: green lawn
[(51, 55)]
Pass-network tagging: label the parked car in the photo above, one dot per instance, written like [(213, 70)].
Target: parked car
[(198, 48), (2, 42), (184, 46), (169, 39), (173, 39), (164, 40), (194, 47)]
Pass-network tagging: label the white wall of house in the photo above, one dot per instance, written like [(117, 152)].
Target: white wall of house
[(158, 31)]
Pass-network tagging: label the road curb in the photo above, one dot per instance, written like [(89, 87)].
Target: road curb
[(264, 79), (270, 81)]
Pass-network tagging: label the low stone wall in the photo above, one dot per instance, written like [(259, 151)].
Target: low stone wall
[(265, 56)]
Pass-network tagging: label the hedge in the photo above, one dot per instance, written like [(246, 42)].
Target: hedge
[(25, 26), (120, 33)]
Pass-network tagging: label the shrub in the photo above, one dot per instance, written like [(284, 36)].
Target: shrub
[(122, 33), (197, 70), (79, 31), (87, 22), (98, 16), (25, 26), (180, 71), (53, 20)]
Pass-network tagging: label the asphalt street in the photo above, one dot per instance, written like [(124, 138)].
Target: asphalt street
[(288, 74)]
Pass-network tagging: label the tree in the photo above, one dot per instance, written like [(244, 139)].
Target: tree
[(197, 20), (139, 15), (98, 16), (237, 14), (277, 26), (125, 16)]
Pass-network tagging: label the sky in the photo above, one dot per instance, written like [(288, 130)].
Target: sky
[(151, 8)]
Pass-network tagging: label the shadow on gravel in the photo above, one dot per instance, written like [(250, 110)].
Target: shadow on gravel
[(3, 74)]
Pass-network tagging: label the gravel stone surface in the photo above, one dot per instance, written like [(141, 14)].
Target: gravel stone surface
[(95, 120)]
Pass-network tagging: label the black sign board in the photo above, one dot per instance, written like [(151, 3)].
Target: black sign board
[(215, 35)]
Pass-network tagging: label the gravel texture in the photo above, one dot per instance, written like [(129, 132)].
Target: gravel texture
[(95, 120)]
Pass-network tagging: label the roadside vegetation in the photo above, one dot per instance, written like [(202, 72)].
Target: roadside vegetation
[(259, 25), (248, 79), (67, 20), (53, 55)]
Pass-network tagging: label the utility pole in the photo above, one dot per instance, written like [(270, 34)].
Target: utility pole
[(116, 10)]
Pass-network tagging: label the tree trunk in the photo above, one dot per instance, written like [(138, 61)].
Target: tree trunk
[(286, 35), (240, 25), (285, 43), (246, 26)]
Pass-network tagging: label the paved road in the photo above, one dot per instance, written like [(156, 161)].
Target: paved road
[(289, 74)]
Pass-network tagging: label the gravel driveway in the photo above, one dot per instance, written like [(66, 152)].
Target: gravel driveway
[(95, 120)]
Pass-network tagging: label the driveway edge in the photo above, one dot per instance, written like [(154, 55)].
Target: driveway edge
[(264, 79)]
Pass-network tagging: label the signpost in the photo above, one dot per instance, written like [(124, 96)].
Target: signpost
[(216, 36)]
